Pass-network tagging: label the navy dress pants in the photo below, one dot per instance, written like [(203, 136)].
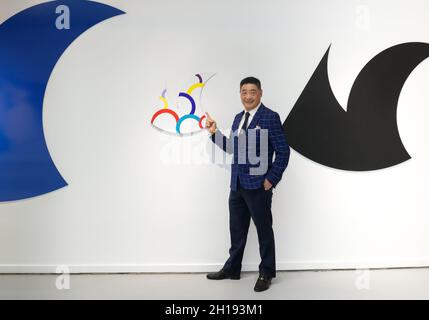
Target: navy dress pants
[(246, 205)]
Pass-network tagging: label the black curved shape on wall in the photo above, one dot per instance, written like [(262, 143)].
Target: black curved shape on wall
[(365, 137)]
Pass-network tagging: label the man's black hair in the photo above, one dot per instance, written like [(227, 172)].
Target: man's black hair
[(251, 80)]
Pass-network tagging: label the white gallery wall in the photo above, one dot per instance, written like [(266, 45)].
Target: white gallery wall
[(140, 200)]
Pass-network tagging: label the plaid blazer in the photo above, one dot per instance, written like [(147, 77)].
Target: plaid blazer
[(264, 118)]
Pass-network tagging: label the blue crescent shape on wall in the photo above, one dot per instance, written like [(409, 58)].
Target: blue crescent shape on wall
[(30, 47)]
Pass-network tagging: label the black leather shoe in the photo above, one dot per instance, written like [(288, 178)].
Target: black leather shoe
[(221, 275), (263, 283)]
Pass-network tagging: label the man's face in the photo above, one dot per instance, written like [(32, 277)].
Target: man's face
[(250, 96)]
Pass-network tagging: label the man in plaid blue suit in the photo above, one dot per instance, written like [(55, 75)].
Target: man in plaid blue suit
[(252, 183)]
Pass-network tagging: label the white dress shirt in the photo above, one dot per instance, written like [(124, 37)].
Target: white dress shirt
[(252, 114)]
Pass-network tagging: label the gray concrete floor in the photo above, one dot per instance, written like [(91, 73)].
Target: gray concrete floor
[(348, 284)]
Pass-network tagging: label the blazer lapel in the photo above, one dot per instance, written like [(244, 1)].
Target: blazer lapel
[(237, 121)]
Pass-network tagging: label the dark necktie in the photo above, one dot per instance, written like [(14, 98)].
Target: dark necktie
[(244, 127)]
